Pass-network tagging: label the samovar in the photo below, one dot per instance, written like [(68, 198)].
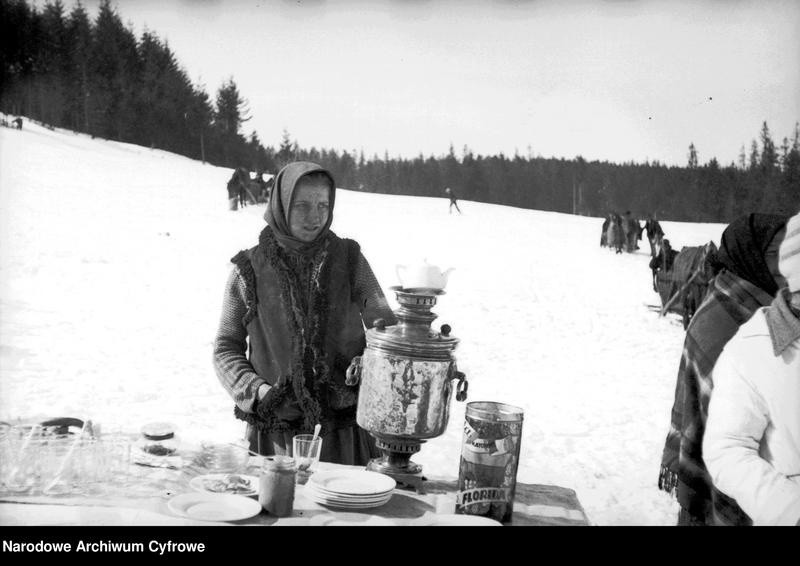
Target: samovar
[(406, 372)]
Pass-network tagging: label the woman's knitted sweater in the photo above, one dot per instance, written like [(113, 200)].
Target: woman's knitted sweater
[(232, 366)]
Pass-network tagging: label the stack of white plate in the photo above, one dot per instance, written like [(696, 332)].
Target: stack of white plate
[(350, 489)]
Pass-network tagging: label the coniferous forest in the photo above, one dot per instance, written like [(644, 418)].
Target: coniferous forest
[(91, 74)]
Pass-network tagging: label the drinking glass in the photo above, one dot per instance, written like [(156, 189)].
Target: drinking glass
[(306, 454), (117, 451), (22, 447), (55, 477)]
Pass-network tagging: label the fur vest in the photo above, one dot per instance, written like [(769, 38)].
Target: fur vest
[(304, 327)]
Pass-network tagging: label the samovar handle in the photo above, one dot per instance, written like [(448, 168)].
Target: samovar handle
[(353, 373), (463, 384)]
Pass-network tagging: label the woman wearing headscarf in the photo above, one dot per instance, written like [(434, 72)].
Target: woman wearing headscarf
[(752, 441), (301, 298), (747, 258)]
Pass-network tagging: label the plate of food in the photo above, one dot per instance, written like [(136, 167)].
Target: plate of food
[(233, 484)]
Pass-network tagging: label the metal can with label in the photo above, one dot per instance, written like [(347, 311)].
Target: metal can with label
[(487, 475)]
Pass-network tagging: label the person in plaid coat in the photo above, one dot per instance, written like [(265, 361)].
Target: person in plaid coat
[(752, 441), (745, 284)]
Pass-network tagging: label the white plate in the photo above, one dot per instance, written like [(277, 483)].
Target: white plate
[(346, 504), (463, 520), (351, 505), (311, 491), (350, 520), (214, 506), (326, 493), (205, 484), (353, 482), (318, 498)]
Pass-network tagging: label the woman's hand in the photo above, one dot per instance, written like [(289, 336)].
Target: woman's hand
[(283, 411)]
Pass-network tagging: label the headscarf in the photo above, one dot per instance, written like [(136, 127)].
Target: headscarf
[(280, 203), (742, 248)]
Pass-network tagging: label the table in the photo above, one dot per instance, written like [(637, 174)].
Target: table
[(141, 499)]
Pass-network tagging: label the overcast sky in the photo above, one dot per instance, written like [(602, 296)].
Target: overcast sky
[(621, 80)]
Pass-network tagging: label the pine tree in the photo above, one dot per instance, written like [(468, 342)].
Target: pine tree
[(199, 115), (796, 137), (286, 151), (114, 71), (232, 110), (165, 99), (258, 157), (769, 156), (18, 47), (54, 64), (754, 157), (154, 62), (78, 47), (692, 156), (784, 152)]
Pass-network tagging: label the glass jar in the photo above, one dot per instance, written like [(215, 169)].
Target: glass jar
[(276, 486), (159, 439)]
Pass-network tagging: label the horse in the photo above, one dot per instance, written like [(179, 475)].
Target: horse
[(237, 187), (663, 261), (244, 187), (654, 235)]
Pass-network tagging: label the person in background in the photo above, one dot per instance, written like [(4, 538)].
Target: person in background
[(632, 232), (261, 191), (748, 263), (293, 318), (752, 440), (243, 186), (616, 237), (453, 202), (604, 231)]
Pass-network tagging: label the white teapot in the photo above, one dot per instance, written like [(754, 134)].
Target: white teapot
[(422, 276)]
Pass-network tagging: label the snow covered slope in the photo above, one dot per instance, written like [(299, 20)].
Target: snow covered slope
[(113, 259)]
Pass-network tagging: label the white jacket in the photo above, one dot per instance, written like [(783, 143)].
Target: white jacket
[(751, 445)]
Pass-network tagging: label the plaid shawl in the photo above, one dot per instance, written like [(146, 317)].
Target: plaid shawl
[(730, 303)]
